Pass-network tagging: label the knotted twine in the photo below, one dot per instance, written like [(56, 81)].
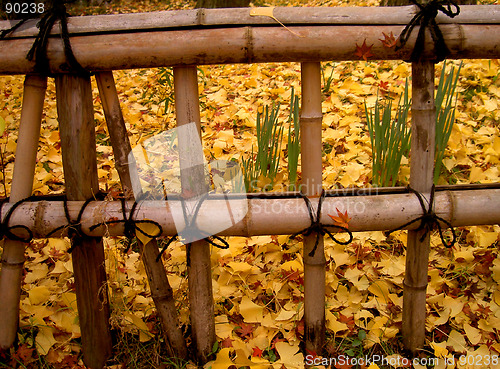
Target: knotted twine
[(319, 228), (56, 11), (426, 18), (429, 219), (191, 231)]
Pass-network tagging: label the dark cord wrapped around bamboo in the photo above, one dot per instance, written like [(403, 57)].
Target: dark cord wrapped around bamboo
[(278, 215), (110, 42)]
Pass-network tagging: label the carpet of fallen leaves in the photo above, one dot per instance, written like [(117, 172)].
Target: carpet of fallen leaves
[(258, 281)]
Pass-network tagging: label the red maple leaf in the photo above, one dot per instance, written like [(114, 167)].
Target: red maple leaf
[(348, 320), (384, 86), (24, 354), (342, 220), (275, 340), (227, 342), (364, 51), (388, 41), (245, 330), (257, 352), (294, 276)]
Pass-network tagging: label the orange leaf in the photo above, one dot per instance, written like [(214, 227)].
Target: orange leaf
[(389, 41), (364, 51), (342, 220)]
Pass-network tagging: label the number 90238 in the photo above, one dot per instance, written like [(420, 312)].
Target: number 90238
[(24, 8)]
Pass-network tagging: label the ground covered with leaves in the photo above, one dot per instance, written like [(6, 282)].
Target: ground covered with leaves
[(258, 281)]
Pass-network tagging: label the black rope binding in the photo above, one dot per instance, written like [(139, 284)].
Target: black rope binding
[(56, 11), (74, 227), (426, 18), (130, 224), (318, 227), (192, 232), (6, 230), (428, 219)]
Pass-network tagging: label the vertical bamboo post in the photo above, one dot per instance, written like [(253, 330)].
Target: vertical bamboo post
[(199, 270), (421, 178), (22, 185), (161, 291), (311, 186), (76, 122)]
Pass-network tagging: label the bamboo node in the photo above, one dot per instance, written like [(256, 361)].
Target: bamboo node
[(415, 288), (7, 264), (311, 120), (319, 228), (428, 219)]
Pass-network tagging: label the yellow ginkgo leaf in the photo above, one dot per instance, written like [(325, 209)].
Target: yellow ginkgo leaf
[(2, 126), (439, 349), (473, 334), (223, 361), (251, 312), (38, 295), (267, 11), (148, 229), (290, 355), (45, 339)]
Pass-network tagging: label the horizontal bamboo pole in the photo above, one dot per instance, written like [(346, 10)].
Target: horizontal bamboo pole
[(245, 44), (267, 216), (185, 19)]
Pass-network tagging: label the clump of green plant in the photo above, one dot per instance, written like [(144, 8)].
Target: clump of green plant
[(293, 148), (162, 94), (446, 101), (265, 163), (269, 138), (389, 137), (327, 81)]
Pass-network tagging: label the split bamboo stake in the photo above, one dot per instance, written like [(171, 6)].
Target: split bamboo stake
[(266, 216), (76, 127), (22, 185), (192, 182), (161, 291), (311, 164), (421, 179), (116, 128)]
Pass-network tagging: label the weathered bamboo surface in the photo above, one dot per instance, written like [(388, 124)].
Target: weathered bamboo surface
[(269, 216), (196, 18), (311, 155), (12, 270), (234, 36), (421, 179)]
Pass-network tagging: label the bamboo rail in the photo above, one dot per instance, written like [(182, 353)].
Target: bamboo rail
[(212, 37), (267, 216), (22, 185)]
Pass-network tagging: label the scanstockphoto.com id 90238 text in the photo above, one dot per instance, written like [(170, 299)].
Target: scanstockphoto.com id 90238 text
[(379, 360)]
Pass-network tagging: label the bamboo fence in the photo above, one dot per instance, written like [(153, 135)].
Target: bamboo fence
[(185, 39)]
